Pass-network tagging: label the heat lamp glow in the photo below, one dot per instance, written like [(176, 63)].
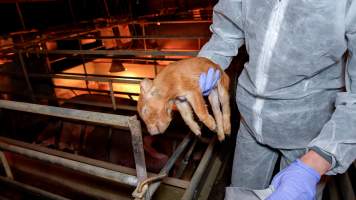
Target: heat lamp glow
[(102, 67)]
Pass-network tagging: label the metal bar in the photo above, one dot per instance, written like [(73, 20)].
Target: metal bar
[(165, 170), (112, 96), (94, 90), (87, 116), (190, 192), (31, 189), (185, 161), (144, 35), (124, 52), (20, 15), (84, 67), (24, 70), (75, 101), (70, 183), (137, 146), (174, 22), (71, 10), (72, 164), (89, 78), (106, 8), (6, 165), (148, 37)]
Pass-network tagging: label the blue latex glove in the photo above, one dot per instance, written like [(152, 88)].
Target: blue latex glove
[(296, 182), (208, 81)]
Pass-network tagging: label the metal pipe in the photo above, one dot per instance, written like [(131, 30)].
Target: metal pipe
[(71, 164), (24, 70), (71, 10), (174, 22), (76, 101), (82, 115), (31, 189), (112, 95), (190, 192), (106, 9), (124, 52), (148, 37), (84, 66), (89, 78), (95, 90), (144, 35), (69, 183), (6, 165), (20, 15), (165, 170), (185, 161), (168, 180)]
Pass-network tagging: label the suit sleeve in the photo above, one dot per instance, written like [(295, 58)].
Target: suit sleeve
[(338, 136), (227, 34)]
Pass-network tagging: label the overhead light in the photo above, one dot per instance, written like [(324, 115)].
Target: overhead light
[(116, 66)]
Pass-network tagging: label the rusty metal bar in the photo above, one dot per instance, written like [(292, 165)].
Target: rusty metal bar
[(191, 190), (87, 116), (71, 164), (31, 189), (6, 165)]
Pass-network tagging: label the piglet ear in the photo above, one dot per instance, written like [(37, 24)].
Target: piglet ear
[(145, 85)]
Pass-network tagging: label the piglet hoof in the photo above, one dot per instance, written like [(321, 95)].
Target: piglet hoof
[(210, 123), (221, 137), (195, 129), (227, 127)]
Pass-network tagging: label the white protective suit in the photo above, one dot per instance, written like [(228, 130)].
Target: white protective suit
[(291, 94)]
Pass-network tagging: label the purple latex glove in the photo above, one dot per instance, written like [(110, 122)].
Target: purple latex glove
[(296, 182), (207, 81)]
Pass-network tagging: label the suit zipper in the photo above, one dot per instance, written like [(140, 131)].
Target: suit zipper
[(263, 66)]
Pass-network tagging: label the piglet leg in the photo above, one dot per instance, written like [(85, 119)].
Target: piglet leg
[(215, 105), (197, 102), (187, 114), (224, 99)]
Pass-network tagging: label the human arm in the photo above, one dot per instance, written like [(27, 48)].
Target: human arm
[(338, 136), (227, 33)]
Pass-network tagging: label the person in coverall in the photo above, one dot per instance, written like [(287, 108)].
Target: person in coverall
[(296, 95)]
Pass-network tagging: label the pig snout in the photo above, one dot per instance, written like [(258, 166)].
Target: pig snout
[(153, 129)]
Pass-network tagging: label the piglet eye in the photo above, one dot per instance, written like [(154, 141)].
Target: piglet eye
[(144, 110)]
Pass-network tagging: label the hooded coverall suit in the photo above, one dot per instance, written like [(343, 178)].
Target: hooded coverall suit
[(298, 90)]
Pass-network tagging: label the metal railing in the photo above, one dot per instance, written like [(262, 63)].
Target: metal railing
[(87, 165)]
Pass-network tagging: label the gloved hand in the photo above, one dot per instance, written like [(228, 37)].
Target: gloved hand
[(296, 182), (208, 81)]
